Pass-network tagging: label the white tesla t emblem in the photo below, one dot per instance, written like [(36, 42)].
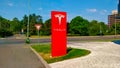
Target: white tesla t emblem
[(59, 16)]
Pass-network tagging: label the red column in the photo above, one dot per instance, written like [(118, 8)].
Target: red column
[(58, 33)]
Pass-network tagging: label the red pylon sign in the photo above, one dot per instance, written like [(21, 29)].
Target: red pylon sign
[(59, 39)]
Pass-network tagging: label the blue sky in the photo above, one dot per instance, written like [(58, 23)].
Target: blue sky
[(88, 9)]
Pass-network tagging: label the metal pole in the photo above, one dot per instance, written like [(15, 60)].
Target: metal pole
[(115, 24), (0, 24), (28, 19), (100, 30), (38, 36), (28, 40)]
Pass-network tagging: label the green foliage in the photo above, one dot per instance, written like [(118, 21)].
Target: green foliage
[(97, 28), (94, 28), (73, 53), (33, 19), (5, 33), (111, 31), (15, 26), (118, 28), (42, 48), (104, 28), (47, 27), (27, 41), (82, 27), (5, 27), (4, 23), (78, 25), (45, 49), (24, 22), (68, 27)]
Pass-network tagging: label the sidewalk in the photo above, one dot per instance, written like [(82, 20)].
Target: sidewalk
[(103, 55), (19, 56)]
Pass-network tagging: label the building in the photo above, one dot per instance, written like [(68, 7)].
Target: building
[(114, 17), (114, 12)]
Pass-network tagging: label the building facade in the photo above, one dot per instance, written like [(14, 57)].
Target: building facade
[(114, 17)]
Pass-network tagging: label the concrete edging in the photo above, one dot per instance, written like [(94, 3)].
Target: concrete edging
[(40, 58)]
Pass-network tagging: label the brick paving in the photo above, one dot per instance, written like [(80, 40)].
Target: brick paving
[(103, 55)]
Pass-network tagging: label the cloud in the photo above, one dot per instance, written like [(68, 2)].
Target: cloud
[(10, 4), (39, 9), (103, 12), (92, 10)]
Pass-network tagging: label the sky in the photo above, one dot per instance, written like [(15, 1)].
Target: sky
[(88, 9)]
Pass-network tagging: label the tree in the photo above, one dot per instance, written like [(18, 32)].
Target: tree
[(5, 33), (79, 26), (68, 27), (4, 23), (47, 27), (32, 22), (97, 28), (15, 25), (33, 19), (24, 22), (94, 28), (111, 31), (118, 28), (103, 28), (40, 21), (5, 27)]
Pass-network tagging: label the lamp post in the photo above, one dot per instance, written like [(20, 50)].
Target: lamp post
[(28, 40), (28, 19), (115, 24), (0, 23), (100, 30)]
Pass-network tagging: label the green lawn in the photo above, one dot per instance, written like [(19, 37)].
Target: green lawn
[(36, 36), (45, 51)]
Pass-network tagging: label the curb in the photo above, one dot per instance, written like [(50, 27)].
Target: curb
[(40, 58)]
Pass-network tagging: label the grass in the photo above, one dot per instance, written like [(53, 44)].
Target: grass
[(36, 36), (45, 51), (108, 40)]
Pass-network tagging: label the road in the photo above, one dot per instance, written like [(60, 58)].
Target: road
[(21, 41), (14, 53), (18, 56), (69, 39)]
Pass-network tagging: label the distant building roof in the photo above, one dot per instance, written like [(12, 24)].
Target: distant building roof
[(114, 12)]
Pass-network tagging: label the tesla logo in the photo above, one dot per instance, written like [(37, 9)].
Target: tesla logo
[(59, 16)]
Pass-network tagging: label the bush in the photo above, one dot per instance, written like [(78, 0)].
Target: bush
[(5, 33), (27, 41)]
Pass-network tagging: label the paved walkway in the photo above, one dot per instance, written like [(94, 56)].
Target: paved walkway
[(18, 56), (103, 55)]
